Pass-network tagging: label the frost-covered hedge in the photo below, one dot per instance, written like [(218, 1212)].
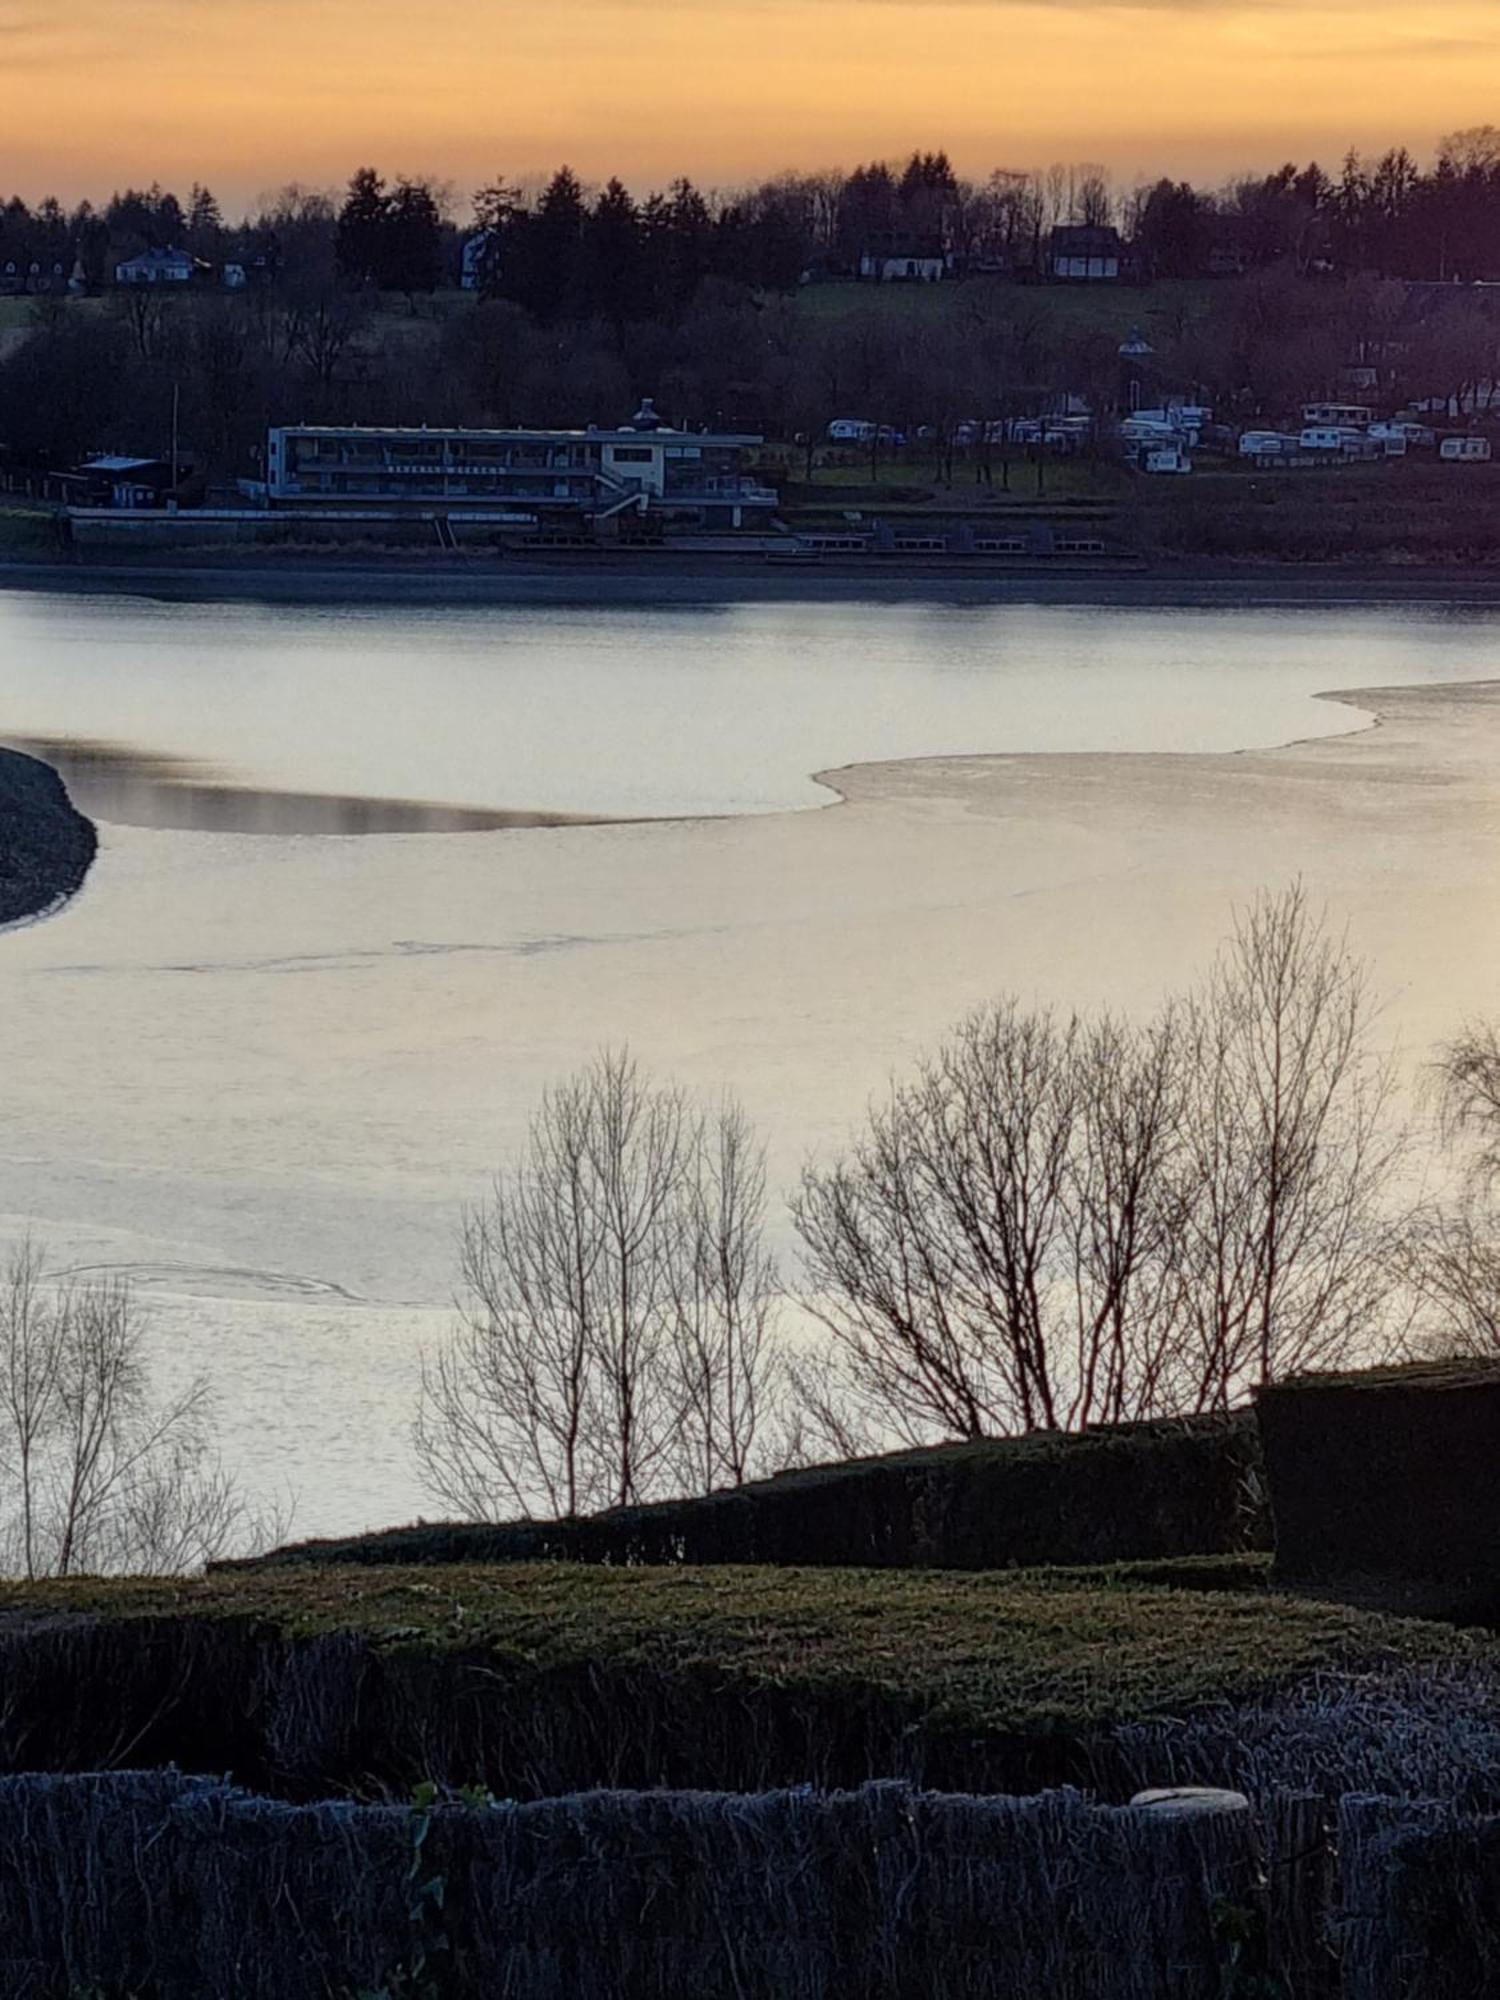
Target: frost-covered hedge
[(147, 1883)]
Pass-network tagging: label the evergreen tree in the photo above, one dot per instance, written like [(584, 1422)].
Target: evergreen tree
[(410, 240), (360, 237), (613, 273), (205, 222)]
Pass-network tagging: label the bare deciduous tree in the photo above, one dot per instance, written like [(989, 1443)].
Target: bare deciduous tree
[(1063, 1222), (1284, 1246), (1451, 1252), (616, 1328), (1467, 1072), (95, 1474), (989, 1258)]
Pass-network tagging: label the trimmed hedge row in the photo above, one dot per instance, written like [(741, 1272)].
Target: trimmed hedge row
[(1384, 1486), (1140, 1492), (539, 1678)]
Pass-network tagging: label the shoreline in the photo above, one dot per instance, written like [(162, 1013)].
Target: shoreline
[(668, 580), (46, 845)]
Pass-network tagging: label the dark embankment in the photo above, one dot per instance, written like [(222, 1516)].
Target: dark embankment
[(1134, 1492), (537, 1680), (46, 847)]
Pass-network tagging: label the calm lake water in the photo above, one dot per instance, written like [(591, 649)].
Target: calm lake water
[(629, 713), (261, 1069)]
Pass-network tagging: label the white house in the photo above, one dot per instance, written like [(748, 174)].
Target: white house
[(159, 267), (903, 267)]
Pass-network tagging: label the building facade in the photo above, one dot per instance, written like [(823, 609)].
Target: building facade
[(164, 268), (1086, 253), (691, 478)]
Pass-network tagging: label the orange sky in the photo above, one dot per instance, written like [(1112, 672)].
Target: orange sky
[(249, 93)]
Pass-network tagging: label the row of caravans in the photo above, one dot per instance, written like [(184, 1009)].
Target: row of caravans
[(1350, 431)]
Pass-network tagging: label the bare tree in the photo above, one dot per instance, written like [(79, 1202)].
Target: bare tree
[(989, 1258), (1284, 1243), (724, 1305), (96, 1474), (1450, 1256), (615, 1334), (1467, 1074), (1063, 1222)]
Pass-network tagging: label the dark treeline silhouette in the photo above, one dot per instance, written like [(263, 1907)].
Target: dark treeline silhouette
[(583, 301), (562, 250)]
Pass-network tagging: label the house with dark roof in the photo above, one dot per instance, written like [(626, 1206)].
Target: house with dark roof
[(1085, 252), (165, 269), (906, 260)]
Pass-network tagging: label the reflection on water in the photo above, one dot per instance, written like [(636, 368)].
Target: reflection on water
[(126, 787), (639, 713)]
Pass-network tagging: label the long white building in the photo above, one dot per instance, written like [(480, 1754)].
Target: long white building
[(693, 478)]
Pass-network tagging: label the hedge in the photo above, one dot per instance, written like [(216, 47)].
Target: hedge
[(1134, 1492), (143, 1884), (128, 1884), (540, 1679), (1385, 1486)]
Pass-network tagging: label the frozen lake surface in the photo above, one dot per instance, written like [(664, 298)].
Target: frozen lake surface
[(261, 1071)]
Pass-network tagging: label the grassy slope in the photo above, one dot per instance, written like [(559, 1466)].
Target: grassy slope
[(1034, 1650), (1159, 310)]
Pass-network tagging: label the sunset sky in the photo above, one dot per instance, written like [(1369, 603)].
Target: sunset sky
[(247, 94)]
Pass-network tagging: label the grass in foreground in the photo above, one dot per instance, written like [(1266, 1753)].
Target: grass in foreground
[(1029, 1650)]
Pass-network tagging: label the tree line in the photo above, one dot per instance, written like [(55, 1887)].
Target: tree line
[(1056, 1221), (563, 250)]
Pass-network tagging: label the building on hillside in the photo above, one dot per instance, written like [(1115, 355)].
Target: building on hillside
[(638, 472), (905, 261), (35, 275), (1086, 252), (163, 268)]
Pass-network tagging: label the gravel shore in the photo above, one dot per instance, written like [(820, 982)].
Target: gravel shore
[(45, 846), (716, 579)]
